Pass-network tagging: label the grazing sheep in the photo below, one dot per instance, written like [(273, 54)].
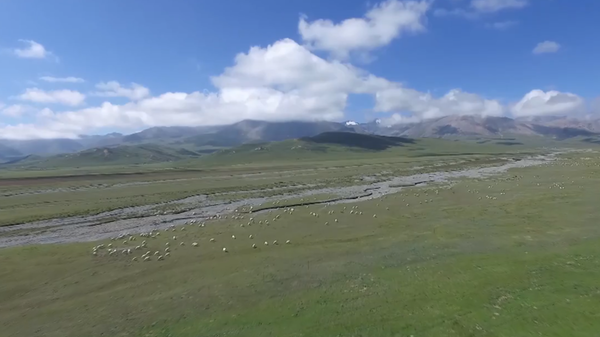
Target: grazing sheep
[(336, 220), (233, 236), (224, 249), (195, 244), (275, 242), (288, 242), (212, 239), (250, 236), (167, 250), (147, 258), (156, 252), (134, 259), (174, 238), (266, 243), (167, 244), (160, 257), (182, 243), (254, 245)]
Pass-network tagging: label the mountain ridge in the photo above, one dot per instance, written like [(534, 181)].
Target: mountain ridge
[(204, 139)]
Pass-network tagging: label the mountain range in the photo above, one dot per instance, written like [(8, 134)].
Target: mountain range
[(207, 139)]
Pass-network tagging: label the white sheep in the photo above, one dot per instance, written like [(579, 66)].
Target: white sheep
[(250, 236), (266, 243), (182, 243), (233, 236), (224, 249), (195, 244), (174, 237), (288, 242), (147, 258), (212, 239), (254, 245)]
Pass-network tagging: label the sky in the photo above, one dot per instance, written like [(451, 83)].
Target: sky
[(71, 67)]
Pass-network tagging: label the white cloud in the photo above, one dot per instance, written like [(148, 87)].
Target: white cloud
[(15, 110), (424, 106), (489, 6), (546, 47), (381, 24), (66, 97), (69, 79), (34, 50), (114, 89), (540, 103), (501, 25)]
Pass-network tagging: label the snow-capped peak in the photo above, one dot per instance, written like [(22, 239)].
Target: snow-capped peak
[(351, 123)]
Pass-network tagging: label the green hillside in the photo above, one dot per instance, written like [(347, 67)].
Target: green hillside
[(120, 155), (331, 146)]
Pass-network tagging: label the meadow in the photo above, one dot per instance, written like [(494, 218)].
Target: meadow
[(513, 255)]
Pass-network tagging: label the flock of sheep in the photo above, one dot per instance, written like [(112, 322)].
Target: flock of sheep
[(129, 246)]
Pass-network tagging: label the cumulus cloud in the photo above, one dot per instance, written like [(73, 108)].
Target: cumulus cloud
[(422, 105), (380, 25), (33, 50), (546, 47), (15, 110), (69, 79), (66, 97), (114, 89), (540, 103)]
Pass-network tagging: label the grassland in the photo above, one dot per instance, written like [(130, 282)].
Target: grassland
[(517, 255), (31, 195)]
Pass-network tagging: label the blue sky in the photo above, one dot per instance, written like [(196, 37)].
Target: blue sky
[(396, 60)]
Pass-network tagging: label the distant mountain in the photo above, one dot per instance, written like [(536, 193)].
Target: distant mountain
[(44, 146), (8, 153), (119, 155), (252, 131), (206, 139)]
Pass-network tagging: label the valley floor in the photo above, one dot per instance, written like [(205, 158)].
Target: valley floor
[(444, 246)]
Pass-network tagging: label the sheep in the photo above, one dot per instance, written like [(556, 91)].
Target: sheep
[(167, 250), (174, 237), (182, 243), (110, 245), (224, 250), (212, 239), (156, 252), (326, 223), (195, 244), (134, 258), (250, 236), (167, 244), (160, 257), (147, 258), (336, 220), (288, 242), (233, 236), (254, 245), (266, 243), (167, 254), (94, 253), (275, 242), (182, 228), (374, 215)]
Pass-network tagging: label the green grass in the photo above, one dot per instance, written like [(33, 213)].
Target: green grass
[(523, 264), (30, 198)]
